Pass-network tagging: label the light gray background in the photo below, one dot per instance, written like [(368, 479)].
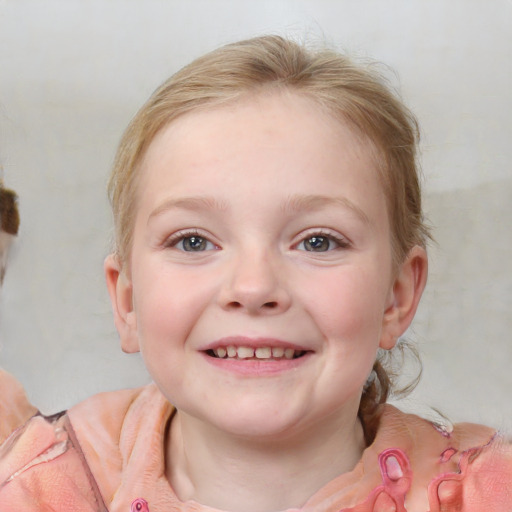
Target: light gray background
[(73, 72)]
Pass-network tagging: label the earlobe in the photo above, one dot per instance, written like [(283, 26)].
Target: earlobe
[(404, 297), (121, 297)]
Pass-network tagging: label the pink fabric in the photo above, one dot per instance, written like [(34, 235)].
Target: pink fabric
[(42, 468), (412, 466)]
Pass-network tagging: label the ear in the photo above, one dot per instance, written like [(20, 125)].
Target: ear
[(405, 296), (120, 289)]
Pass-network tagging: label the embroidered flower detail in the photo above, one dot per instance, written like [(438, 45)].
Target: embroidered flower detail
[(139, 505)]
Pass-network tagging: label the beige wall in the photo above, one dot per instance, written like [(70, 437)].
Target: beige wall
[(72, 72)]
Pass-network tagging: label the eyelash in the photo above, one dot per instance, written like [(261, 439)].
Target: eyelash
[(180, 236), (341, 242)]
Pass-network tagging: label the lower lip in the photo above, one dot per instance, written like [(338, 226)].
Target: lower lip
[(257, 367)]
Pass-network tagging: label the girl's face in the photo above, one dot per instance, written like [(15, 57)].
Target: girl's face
[(261, 280)]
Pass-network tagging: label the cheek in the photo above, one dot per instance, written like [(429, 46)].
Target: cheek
[(168, 303), (349, 315), (348, 305)]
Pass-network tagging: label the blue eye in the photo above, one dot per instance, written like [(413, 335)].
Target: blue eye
[(189, 242), (317, 244), (194, 243), (321, 243)]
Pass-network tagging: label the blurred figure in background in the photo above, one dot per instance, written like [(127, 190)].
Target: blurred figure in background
[(9, 224)]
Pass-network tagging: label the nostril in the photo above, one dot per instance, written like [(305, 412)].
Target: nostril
[(253, 306)]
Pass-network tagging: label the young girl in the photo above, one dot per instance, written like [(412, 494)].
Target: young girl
[(270, 245)]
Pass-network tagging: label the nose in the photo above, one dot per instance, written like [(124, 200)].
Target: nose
[(256, 283)]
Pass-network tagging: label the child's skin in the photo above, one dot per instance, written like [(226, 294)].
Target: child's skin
[(261, 224)]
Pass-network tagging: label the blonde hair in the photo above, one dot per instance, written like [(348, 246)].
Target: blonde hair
[(352, 93)]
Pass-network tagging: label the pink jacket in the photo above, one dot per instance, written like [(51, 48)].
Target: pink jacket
[(106, 454)]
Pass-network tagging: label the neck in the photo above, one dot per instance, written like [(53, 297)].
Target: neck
[(238, 474)]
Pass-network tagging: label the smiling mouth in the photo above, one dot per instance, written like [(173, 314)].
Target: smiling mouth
[(255, 354)]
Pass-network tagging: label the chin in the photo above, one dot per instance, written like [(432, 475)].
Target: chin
[(255, 422)]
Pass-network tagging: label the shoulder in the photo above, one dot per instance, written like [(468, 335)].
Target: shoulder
[(465, 466), (86, 451), (108, 426), (102, 418), (104, 411), (41, 465), (421, 437), (15, 409)]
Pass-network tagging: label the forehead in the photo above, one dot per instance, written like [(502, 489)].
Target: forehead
[(273, 125), (256, 163)]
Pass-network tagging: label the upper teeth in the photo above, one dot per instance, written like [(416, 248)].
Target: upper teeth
[(259, 353)]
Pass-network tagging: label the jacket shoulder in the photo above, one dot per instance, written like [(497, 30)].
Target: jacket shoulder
[(107, 426), (42, 467), (443, 467)]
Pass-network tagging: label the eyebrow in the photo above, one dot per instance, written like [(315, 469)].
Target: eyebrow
[(189, 203), (316, 202), (293, 204)]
